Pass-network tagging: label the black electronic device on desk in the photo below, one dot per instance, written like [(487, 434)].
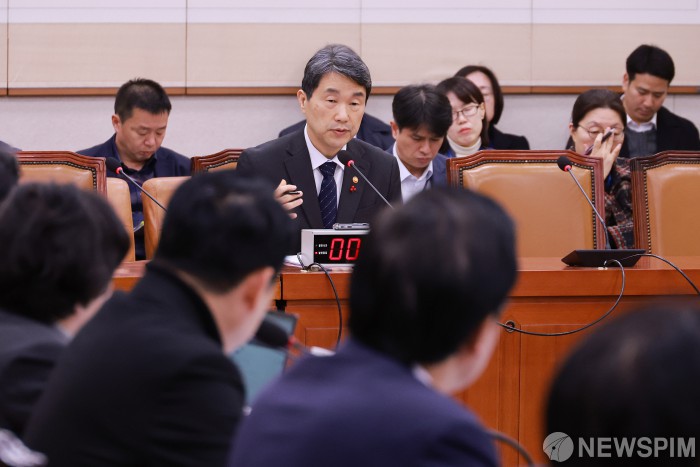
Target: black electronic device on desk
[(602, 258), (339, 246)]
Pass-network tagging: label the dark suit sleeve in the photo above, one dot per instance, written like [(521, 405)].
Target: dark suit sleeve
[(245, 164), (394, 194), (461, 444), (22, 383), (197, 414)]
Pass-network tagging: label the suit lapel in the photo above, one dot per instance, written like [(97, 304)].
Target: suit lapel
[(349, 197), (298, 166)]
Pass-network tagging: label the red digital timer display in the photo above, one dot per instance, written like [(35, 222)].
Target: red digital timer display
[(334, 249)]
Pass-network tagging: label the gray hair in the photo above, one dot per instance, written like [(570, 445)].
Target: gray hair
[(335, 58)]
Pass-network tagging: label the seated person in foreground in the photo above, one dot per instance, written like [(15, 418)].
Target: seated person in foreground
[(141, 111), (333, 94), (596, 112), (469, 132), (488, 84), (424, 299), (635, 377), (421, 119), (60, 247), (148, 380), (372, 131)]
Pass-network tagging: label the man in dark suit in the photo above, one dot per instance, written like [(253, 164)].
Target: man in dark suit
[(651, 128), (372, 131), (422, 117), (141, 111), (56, 265), (333, 94), (147, 381), (424, 299)]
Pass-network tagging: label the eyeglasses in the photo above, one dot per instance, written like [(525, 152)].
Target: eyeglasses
[(466, 112), (593, 132)]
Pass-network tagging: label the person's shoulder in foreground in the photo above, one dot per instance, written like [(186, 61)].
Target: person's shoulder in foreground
[(384, 398), (161, 389), (50, 285)]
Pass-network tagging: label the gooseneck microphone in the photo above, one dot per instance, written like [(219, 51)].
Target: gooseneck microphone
[(115, 166), (346, 159), (565, 164)]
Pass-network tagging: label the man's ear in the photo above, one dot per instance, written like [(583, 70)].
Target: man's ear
[(256, 286), (625, 82), (302, 98), (394, 129), (116, 122)]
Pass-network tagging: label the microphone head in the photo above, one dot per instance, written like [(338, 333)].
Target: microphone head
[(564, 163), (113, 165), (271, 335), (345, 158)]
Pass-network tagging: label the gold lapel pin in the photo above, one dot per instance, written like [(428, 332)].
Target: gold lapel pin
[(355, 179)]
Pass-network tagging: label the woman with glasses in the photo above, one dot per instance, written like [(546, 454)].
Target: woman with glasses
[(595, 113), (469, 130), (488, 84)]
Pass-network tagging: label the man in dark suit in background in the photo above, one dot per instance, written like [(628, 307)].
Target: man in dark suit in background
[(60, 247), (652, 128), (141, 111), (422, 117), (333, 94), (424, 299), (147, 381), (372, 131)]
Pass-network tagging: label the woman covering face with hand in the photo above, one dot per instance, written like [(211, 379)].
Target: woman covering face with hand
[(469, 131), (596, 113)]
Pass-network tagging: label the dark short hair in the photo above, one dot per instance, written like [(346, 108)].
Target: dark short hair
[(495, 86), (635, 376), (597, 99), (141, 93), (9, 173), (60, 247), (467, 92), (649, 59), (430, 273), (421, 105), (220, 227), (335, 58)]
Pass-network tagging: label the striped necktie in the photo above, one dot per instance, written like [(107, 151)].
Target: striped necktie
[(327, 197)]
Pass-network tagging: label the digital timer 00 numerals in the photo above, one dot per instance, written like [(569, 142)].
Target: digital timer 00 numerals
[(332, 247)]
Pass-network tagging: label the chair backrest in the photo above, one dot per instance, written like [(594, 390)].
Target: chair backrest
[(120, 199), (551, 215), (666, 203), (162, 189), (222, 160), (63, 167)]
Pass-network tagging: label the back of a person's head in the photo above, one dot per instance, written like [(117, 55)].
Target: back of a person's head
[(335, 58), (9, 173), (422, 105), (649, 59), (637, 376), (141, 93), (220, 227), (430, 273), (59, 247)]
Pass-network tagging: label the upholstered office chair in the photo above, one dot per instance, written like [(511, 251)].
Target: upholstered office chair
[(63, 167), (222, 160), (551, 215), (666, 203), (162, 189), (119, 197)]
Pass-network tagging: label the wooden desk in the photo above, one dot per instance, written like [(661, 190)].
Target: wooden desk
[(548, 297)]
